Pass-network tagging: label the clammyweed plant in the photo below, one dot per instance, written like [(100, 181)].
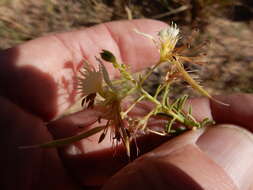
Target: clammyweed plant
[(98, 89)]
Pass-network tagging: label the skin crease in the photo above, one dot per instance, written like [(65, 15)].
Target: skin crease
[(35, 89)]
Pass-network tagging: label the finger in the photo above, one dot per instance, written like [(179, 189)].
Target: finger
[(230, 147), (218, 158), (27, 169), (200, 108), (40, 75), (239, 111)]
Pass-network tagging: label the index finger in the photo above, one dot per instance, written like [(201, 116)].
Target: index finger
[(40, 75)]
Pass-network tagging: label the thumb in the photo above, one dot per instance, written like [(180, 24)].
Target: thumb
[(213, 158)]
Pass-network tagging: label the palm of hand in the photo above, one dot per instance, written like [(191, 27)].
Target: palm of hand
[(38, 77), (42, 84)]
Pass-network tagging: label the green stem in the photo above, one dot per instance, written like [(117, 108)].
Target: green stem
[(156, 132), (167, 110), (68, 140), (165, 95), (123, 115), (146, 118), (129, 92), (158, 90), (149, 73)]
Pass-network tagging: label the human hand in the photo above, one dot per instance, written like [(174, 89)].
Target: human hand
[(37, 84), (41, 87)]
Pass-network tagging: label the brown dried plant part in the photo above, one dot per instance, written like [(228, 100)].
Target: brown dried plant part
[(169, 53)]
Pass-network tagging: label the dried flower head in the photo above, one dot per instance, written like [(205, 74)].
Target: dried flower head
[(90, 81), (169, 37)]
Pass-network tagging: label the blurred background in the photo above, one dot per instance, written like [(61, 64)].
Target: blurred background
[(227, 25)]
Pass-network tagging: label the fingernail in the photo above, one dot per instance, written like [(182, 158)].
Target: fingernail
[(231, 147)]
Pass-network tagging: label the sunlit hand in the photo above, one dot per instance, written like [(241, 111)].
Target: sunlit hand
[(37, 82)]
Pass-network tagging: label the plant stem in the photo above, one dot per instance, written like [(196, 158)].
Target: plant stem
[(167, 110), (150, 72), (123, 115), (68, 140)]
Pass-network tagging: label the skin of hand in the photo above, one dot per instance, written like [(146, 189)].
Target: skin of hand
[(37, 82)]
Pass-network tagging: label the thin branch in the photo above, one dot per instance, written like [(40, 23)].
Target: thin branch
[(172, 12)]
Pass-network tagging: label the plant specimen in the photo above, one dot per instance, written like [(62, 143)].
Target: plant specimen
[(98, 89)]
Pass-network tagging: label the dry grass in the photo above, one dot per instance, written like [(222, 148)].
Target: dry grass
[(231, 60), (21, 20)]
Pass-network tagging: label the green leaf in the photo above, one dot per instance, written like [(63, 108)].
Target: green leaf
[(68, 140), (169, 125), (106, 76)]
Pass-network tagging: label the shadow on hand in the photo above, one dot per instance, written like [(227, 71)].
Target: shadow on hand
[(32, 89)]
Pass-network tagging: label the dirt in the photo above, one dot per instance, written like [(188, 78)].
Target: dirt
[(231, 59), (230, 65)]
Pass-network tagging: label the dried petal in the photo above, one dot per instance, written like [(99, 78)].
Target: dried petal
[(91, 80)]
